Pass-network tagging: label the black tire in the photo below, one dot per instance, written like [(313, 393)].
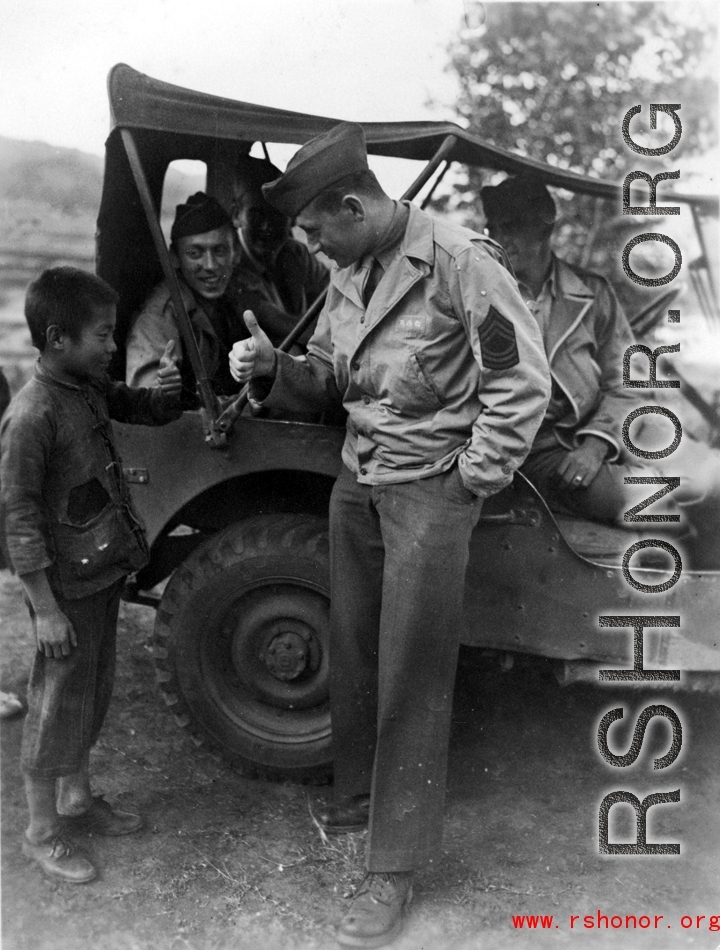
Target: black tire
[(241, 646)]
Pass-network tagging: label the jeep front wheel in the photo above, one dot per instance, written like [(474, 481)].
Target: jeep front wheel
[(241, 645)]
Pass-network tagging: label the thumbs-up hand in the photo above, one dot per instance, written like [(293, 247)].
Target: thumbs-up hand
[(254, 356), (169, 379)]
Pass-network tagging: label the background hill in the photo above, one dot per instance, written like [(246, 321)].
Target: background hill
[(66, 179), (63, 179), (49, 200)]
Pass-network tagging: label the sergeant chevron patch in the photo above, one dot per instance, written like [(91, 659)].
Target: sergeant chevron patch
[(498, 345)]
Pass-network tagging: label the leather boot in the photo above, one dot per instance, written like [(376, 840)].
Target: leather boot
[(102, 819), (350, 815), (59, 860), (376, 915)]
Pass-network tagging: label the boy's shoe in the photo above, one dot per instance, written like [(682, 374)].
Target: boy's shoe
[(102, 819), (376, 914), (352, 815), (59, 860)]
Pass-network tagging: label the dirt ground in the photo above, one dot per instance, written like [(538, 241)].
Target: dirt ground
[(229, 862)]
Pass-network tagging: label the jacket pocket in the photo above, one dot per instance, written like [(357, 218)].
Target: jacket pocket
[(428, 389), (106, 540)]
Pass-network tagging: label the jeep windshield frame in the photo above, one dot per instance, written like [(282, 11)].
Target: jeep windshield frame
[(154, 123)]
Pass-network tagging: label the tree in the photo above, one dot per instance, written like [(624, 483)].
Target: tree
[(554, 80)]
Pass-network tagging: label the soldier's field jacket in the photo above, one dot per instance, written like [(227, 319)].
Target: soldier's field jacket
[(156, 324), (446, 363), (586, 338)]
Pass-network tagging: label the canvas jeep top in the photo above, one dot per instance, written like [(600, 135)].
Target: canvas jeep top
[(236, 506)]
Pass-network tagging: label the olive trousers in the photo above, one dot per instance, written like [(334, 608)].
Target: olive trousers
[(399, 555)]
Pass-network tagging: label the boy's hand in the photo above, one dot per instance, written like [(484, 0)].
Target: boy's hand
[(252, 357), (54, 633), (169, 379)]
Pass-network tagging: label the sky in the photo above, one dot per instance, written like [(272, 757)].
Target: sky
[(366, 60)]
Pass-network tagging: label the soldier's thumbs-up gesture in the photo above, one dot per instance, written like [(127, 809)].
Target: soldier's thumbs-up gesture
[(169, 379), (254, 356)]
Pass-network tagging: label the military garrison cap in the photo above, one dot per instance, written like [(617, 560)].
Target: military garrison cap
[(520, 198), (198, 215), (321, 162)]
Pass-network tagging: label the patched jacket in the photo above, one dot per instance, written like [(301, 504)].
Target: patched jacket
[(446, 363), (587, 336), (65, 504)]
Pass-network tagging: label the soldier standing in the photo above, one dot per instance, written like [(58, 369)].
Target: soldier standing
[(440, 366)]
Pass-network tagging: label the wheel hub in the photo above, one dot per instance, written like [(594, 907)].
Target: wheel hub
[(286, 655), (277, 641)]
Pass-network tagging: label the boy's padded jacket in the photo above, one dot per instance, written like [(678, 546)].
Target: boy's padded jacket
[(65, 504)]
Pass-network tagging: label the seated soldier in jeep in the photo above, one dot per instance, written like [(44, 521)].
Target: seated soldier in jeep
[(204, 250), (577, 461), (276, 277)]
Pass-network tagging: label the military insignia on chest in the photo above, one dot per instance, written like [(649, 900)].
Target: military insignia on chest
[(411, 325), (498, 345)]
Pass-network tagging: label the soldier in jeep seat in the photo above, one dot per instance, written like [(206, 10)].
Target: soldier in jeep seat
[(204, 249), (578, 461), (275, 276)]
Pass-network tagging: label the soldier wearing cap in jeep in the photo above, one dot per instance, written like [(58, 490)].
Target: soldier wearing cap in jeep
[(204, 250), (578, 461), (440, 366), (275, 276)]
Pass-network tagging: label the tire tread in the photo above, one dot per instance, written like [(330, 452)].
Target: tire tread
[(255, 536)]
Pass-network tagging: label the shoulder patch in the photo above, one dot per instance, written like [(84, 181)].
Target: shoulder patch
[(498, 345)]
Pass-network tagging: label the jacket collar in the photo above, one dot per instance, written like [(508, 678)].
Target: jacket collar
[(192, 301), (568, 282), (196, 306), (417, 243), (43, 374), (573, 298), (418, 240)]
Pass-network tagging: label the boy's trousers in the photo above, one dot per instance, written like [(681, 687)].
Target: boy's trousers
[(69, 698), (399, 555)]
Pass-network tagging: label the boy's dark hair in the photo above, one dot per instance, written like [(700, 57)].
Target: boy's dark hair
[(64, 297), (363, 183)]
